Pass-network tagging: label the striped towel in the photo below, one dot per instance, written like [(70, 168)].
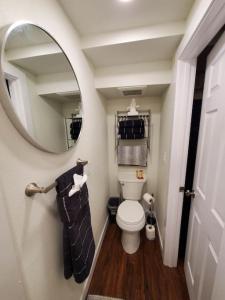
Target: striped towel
[(78, 241)]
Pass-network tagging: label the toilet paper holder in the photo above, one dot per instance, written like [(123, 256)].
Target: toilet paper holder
[(149, 200)]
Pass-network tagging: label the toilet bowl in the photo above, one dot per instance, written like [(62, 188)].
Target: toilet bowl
[(130, 215), (131, 219)]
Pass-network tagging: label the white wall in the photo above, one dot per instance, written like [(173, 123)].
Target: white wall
[(49, 124), (113, 105), (42, 117), (48, 120), (69, 108), (19, 93), (56, 83), (34, 224), (164, 159), (10, 274)]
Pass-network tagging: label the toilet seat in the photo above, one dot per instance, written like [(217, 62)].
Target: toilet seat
[(130, 216)]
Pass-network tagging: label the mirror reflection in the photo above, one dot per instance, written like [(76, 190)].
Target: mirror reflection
[(42, 88)]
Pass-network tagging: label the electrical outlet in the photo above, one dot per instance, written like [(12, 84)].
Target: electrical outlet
[(164, 157)]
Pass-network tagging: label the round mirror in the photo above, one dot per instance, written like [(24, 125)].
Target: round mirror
[(39, 89)]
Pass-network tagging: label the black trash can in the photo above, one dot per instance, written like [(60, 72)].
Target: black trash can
[(113, 204), (151, 220)]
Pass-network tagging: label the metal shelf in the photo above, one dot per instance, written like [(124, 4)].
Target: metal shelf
[(122, 116), (142, 114)]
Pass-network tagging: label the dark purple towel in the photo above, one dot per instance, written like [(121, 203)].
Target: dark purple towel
[(137, 123), (78, 241), (132, 129)]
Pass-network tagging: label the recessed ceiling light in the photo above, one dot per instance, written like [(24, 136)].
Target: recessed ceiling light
[(125, 0)]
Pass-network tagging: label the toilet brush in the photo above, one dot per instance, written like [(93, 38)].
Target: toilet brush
[(151, 220)]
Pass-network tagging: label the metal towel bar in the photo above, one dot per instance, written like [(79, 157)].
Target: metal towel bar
[(33, 188)]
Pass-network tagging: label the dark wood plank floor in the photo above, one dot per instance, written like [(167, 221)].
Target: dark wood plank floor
[(140, 276)]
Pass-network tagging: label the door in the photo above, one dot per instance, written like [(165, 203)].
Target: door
[(206, 239)]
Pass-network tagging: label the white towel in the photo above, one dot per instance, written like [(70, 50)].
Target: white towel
[(78, 183)]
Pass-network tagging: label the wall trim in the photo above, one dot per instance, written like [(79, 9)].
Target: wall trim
[(98, 248), (159, 234), (178, 158), (210, 24)]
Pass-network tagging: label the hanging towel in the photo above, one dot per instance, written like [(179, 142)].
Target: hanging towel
[(132, 129), (136, 123), (75, 128), (132, 155), (78, 241)]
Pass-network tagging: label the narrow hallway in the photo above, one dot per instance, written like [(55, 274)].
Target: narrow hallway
[(140, 276)]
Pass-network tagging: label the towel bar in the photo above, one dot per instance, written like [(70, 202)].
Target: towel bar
[(33, 188)]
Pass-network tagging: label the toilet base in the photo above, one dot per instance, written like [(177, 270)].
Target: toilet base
[(130, 241)]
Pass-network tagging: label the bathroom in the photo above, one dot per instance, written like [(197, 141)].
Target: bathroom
[(101, 72)]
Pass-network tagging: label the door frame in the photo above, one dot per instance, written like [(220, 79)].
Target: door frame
[(211, 21)]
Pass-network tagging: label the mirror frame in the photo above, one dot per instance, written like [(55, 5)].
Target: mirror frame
[(4, 95)]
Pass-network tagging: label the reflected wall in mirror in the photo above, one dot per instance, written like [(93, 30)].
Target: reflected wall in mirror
[(42, 88)]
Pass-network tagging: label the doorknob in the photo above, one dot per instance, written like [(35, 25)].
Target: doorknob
[(187, 193)]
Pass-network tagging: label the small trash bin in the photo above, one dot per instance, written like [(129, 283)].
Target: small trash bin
[(113, 204)]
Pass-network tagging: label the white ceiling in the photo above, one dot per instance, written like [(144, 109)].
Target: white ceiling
[(117, 34), (37, 60), (150, 91), (45, 64), (134, 52), (27, 35), (73, 98), (97, 16)]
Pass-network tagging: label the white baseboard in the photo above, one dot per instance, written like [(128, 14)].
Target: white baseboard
[(97, 251), (159, 234)]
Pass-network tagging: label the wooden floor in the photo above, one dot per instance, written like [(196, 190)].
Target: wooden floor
[(140, 276)]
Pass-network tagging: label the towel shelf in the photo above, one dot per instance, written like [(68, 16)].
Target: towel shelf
[(33, 188), (142, 114), (135, 139)]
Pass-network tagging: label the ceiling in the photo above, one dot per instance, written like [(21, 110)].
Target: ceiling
[(134, 52), (44, 64), (97, 16), (32, 49), (64, 98), (41, 59), (27, 35), (116, 34), (150, 91)]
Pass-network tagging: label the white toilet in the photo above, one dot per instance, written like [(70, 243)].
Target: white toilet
[(130, 215)]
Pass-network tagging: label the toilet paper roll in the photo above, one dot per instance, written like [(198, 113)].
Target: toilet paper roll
[(148, 199), (150, 232)]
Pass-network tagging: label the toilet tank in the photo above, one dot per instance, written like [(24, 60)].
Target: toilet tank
[(131, 186)]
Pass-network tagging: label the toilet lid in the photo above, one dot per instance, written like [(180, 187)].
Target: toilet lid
[(130, 212)]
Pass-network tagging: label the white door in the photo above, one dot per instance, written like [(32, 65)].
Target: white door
[(205, 254)]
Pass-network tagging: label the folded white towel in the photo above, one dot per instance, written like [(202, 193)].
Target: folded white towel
[(78, 183)]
